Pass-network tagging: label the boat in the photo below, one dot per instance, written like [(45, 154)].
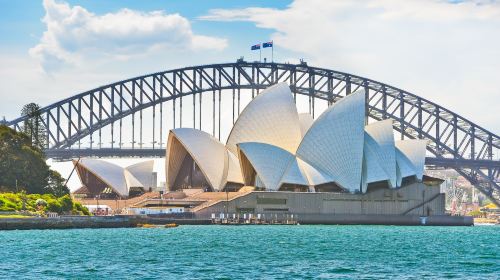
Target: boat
[(147, 225), (172, 225)]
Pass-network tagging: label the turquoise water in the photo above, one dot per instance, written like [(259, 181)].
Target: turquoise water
[(253, 252)]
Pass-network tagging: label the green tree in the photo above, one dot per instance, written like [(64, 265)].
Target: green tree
[(33, 125), (56, 184), (23, 166)]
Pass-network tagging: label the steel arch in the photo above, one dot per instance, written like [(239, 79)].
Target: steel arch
[(454, 141)]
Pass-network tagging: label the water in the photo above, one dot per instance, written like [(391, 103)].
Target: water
[(253, 252)]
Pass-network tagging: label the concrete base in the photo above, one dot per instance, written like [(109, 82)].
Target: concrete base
[(441, 220)]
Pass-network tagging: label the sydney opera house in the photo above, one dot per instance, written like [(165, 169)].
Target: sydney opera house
[(276, 160), (274, 148)]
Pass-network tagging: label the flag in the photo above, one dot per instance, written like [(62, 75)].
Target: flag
[(255, 47), (267, 45)]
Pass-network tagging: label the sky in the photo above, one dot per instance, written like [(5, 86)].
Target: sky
[(445, 51)]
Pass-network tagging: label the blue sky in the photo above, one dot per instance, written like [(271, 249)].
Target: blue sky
[(444, 51), (20, 21)]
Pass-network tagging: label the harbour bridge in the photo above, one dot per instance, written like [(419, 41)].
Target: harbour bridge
[(131, 118)]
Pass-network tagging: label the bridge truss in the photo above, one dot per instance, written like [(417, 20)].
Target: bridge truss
[(74, 124)]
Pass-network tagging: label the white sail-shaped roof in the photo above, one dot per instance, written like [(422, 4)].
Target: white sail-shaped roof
[(208, 153), (294, 174), (313, 175), (334, 143), (404, 167), (131, 180), (143, 172), (372, 164), (271, 144), (174, 156), (414, 150), (109, 173), (270, 118), (275, 167), (306, 121), (269, 162), (234, 169), (379, 141)]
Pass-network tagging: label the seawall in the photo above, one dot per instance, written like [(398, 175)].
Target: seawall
[(69, 222), (73, 222), (339, 219), (66, 222)]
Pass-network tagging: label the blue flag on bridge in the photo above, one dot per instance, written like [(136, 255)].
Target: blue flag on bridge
[(255, 47)]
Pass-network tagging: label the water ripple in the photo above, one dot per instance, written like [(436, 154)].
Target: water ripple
[(253, 252)]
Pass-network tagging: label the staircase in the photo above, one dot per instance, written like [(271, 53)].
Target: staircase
[(421, 204), (217, 200)]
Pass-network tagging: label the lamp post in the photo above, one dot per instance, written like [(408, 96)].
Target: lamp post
[(227, 204), (97, 209)]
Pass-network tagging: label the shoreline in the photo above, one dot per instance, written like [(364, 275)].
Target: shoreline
[(74, 222), (121, 221)]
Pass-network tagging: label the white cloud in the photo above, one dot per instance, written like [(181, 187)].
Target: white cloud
[(446, 52), (74, 34)]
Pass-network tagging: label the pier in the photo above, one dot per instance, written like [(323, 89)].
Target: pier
[(254, 219)]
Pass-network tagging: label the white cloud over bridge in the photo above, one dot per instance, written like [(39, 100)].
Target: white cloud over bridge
[(446, 51)]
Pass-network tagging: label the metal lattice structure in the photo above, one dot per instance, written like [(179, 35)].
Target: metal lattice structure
[(454, 141)]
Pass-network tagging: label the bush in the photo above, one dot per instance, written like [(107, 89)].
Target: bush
[(8, 205), (14, 198), (51, 203), (66, 203), (41, 202), (54, 206), (79, 207)]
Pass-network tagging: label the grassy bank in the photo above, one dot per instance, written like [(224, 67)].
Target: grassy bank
[(40, 204), (14, 216)]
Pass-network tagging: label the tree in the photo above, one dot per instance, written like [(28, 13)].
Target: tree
[(23, 166), (33, 125), (56, 184)]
